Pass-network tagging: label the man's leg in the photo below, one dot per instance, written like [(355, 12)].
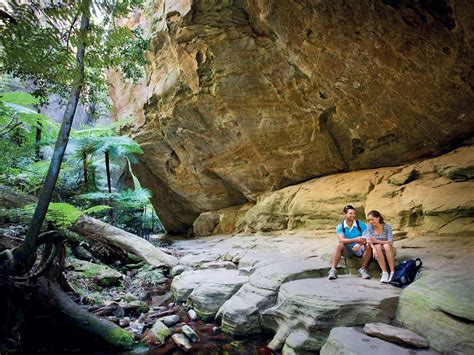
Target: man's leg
[(337, 255), (366, 257)]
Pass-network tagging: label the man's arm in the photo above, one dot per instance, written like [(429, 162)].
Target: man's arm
[(344, 240)]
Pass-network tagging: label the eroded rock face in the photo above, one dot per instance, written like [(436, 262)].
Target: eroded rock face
[(432, 196), (249, 96), (315, 306)]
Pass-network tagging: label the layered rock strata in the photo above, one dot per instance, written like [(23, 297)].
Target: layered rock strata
[(431, 196), (249, 96), (284, 291), (315, 306)]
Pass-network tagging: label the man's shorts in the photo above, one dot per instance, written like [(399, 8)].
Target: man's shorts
[(347, 252)]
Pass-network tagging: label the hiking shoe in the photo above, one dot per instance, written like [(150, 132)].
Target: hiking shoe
[(391, 276), (384, 278), (332, 274), (363, 273)]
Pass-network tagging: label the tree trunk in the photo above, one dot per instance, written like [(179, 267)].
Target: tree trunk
[(94, 229), (100, 327), (38, 156), (27, 248), (84, 170), (107, 169)]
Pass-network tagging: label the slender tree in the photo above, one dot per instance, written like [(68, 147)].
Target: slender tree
[(37, 43)]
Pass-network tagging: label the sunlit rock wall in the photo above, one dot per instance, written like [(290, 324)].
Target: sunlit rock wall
[(245, 97)]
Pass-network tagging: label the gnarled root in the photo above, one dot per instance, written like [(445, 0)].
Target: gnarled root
[(104, 329)]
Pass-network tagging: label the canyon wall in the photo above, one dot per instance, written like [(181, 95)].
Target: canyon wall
[(242, 98)]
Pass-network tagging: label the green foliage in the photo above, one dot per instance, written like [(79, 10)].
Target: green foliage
[(60, 214), (39, 44), (18, 125), (14, 215), (132, 209), (97, 209)]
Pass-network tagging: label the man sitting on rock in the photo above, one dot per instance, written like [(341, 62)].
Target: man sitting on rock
[(351, 243)]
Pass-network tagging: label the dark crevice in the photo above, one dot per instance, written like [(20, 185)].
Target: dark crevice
[(457, 318)]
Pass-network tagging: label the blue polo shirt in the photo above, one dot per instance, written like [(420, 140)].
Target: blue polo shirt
[(350, 233)]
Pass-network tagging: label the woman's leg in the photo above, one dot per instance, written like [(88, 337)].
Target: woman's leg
[(390, 256), (380, 257)]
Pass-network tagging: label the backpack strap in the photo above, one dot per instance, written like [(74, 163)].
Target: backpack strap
[(343, 229), (357, 225)]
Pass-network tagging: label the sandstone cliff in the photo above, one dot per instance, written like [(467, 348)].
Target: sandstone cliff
[(245, 97), (435, 196)]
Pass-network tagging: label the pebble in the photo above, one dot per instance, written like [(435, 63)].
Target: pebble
[(169, 321), (216, 330), (181, 341), (190, 333), (192, 314), (124, 322)]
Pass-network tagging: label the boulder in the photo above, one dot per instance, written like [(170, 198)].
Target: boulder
[(190, 333), (207, 298), (349, 340), (241, 313), (181, 341), (179, 269), (396, 335), (184, 284), (439, 305), (101, 274), (169, 321), (160, 331), (12, 198), (318, 305)]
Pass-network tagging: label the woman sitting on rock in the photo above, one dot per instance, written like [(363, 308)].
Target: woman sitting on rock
[(380, 238)]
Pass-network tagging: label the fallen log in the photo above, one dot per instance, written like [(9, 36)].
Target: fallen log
[(91, 228), (103, 328)]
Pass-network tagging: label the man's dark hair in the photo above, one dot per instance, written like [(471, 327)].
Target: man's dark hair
[(347, 208)]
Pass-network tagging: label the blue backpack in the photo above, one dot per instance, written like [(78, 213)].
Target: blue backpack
[(405, 272)]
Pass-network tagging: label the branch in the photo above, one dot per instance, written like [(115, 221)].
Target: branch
[(11, 129), (6, 16)]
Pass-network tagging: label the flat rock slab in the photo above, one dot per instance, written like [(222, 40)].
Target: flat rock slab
[(196, 260), (349, 340), (318, 305), (184, 284), (271, 276), (396, 335)]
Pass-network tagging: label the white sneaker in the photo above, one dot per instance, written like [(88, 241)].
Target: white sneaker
[(332, 274), (390, 277), (384, 278), (363, 273)]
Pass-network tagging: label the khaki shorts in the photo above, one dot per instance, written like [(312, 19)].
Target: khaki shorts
[(347, 252)]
